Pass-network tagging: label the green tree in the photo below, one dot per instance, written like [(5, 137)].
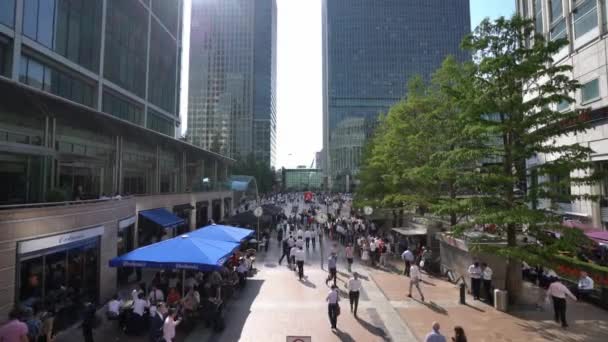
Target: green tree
[(262, 172)]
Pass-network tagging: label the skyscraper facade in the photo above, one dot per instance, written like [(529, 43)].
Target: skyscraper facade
[(232, 89), (370, 50)]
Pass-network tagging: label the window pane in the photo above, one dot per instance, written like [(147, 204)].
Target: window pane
[(30, 18), (559, 29), (73, 37), (23, 70), (7, 12), (562, 106), (585, 17), (556, 9), (35, 74), (61, 38), (46, 19), (538, 16), (590, 91)]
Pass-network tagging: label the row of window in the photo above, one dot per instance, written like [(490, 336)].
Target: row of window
[(163, 69), (69, 27), (584, 17), (45, 77), (122, 109), (590, 92), (157, 122), (7, 12)]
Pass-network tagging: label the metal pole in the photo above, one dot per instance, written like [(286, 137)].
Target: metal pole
[(183, 283), (258, 246)]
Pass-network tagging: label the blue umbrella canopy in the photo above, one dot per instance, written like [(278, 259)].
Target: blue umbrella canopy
[(182, 252), (223, 233)]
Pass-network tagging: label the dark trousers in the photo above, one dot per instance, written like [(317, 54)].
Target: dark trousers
[(87, 333), (300, 269), (313, 243), (475, 287), (406, 270), (332, 275), (285, 254), (559, 309), (307, 242), (353, 297), (332, 311), (487, 289)]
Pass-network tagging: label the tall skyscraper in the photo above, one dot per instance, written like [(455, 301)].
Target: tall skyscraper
[(231, 108), (370, 50)]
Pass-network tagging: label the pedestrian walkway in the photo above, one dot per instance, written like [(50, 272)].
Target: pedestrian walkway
[(481, 321)]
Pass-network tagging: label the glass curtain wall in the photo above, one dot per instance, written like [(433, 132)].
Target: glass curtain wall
[(138, 168)]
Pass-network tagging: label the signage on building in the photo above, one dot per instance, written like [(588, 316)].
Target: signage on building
[(58, 240), (124, 223)]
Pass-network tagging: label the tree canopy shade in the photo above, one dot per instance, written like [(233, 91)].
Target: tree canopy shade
[(479, 145)]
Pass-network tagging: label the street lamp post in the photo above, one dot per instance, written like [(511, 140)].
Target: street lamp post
[(258, 213)]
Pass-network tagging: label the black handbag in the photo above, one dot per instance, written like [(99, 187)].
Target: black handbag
[(337, 310)]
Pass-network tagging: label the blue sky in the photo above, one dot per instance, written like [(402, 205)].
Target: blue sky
[(299, 68)]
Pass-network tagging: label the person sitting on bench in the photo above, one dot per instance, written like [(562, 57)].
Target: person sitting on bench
[(585, 286)]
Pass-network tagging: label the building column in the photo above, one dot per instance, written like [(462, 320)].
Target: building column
[(222, 208), (596, 210), (210, 211), (193, 218), (104, 9), (16, 60), (215, 167)]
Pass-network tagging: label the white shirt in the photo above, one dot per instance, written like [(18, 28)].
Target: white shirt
[(415, 273), (135, 294), (300, 232), (114, 306), (292, 252), (372, 246), (299, 243), (354, 285), (332, 297), (585, 283), (191, 282), (291, 242), (475, 272), (139, 306), (487, 273), (307, 234), (169, 328), (242, 268), (407, 255), (156, 295), (300, 255), (559, 290)]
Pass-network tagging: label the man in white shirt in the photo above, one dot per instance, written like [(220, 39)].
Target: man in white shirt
[(558, 292), (415, 278), (114, 308), (300, 257), (291, 241), (585, 286), (408, 258), (156, 295), (486, 278), (332, 300), (475, 274), (299, 242), (140, 305), (300, 233), (354, 287), (292, 257), (307, 236)]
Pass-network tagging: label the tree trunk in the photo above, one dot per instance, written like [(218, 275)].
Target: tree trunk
[(513, 281)]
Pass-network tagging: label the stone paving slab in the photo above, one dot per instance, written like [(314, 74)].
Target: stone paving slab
[(481, 321)]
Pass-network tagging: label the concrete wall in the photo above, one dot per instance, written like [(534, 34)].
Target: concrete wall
[(458, 258)]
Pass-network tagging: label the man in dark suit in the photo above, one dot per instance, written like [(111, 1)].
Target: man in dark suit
[(156, 323)]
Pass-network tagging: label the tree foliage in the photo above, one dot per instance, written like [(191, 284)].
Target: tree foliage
[(479, 144), (262, 172)]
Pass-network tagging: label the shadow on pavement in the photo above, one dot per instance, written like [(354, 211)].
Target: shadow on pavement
[(474, 307), (270, 265), (433, 306), (237, 312), (343, 336), (308, 283), (377, 331)]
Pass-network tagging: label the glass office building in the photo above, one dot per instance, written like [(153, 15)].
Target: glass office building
[(370, 50), (232, 86), (302, 179)]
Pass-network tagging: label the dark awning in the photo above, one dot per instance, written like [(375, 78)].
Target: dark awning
[(186, 206), (162, 217)]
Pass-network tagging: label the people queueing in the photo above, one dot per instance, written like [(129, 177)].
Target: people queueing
[(300, 257), (354, 287), (408, 259), (415, 280), (435, 335), (584, 286), (475, 274), (332, 261), (558, 292), (486, 278), (350, 257), (333, 307)]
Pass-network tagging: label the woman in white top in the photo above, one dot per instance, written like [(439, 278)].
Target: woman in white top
[(169, 326)]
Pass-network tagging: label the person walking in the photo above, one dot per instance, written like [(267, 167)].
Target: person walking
[(157, 321), (415, 279), (292, 257), (558, 292), (88, 322), (408, 258), (333, 307), (459, 335), (14, 330), (331, 265), (354, 287), (307, 236), (486, 278), (475, 274), (435, 335), (286, 250), (350, 256), (313, 236), (300, 257)]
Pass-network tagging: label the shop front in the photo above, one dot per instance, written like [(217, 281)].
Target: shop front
[(60, 272), (183, 211)]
